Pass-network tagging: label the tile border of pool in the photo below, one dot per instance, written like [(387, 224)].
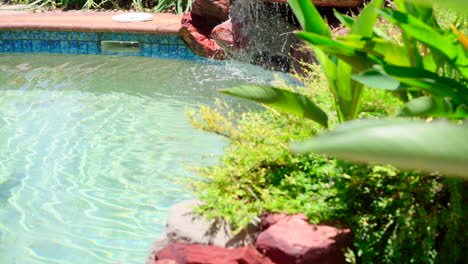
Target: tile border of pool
[(76, 42), (78, 32)]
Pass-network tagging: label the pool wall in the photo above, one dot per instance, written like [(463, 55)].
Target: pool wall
[(72, 42)]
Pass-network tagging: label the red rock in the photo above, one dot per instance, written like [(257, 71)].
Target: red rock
[(223, 35), (269, 219), (180, 253), (293, 240), (216, 11), (197, 34)]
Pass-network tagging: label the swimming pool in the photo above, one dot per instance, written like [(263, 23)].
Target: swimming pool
[(94, 149)]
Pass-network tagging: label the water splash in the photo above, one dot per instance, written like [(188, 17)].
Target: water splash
[(263, 32)]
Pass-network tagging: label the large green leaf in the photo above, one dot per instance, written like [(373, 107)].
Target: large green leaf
[(456, 5), (412, 77), (388, 51), (416, 145), (376, 79), (427, 106), (454, 51), (309, 18), (364, 23), (281, 99), (357, 59)]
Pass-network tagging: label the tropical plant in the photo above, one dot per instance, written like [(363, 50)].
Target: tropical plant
[(429, 72)]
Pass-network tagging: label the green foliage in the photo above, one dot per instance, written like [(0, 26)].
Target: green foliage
[(281, 99), (407, 144), (176, 6), (258, 173), (397, 217), (429, 72), (402, 217)]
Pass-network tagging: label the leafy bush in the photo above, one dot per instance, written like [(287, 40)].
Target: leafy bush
[(397, 217), (176, 6)]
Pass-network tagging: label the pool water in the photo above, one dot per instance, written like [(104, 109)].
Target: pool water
[(94, 149)]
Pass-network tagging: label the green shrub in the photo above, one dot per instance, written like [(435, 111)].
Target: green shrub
[(175, 6), (397, 216)]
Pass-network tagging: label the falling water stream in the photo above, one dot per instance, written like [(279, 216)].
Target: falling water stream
[(264, 32)]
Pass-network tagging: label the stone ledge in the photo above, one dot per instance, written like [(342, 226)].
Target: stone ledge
[(89, 22)]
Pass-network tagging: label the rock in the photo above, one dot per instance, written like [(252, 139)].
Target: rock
[(269, 219), (197, 34), (198, 254), (293, 240), (186, 227), (214, 11), (223, 35)]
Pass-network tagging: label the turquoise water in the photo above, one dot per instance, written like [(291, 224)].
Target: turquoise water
[(94, 149)]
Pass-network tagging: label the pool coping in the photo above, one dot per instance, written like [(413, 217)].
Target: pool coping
[(89, 21)]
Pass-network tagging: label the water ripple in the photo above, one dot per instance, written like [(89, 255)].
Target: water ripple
[(92, 150)]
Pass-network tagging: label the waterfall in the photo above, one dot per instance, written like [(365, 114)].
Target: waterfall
[(263, 32)]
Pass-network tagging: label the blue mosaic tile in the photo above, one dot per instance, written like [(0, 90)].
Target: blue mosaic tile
[(92, 47), (106, 36), (36, 35), (92, 36), (89, 43), (36, 46), (173, 39), (190, 53), (54, 35), (27, 46), (133, 37), (182, 50), (45, 35), (164, 50), (72, 35), (26, 34), (63, 35), (155, 50), (17, 34), (64, 47), (124, 36), (17, 45), (83, 47), (83, 36), (164, 39), (173, 50), (7, 45), (73, 47), (55, 46), (180, 41), (146, 50), (45, 45), (116, 36), (155, 38), (6, 35), (146, 38)]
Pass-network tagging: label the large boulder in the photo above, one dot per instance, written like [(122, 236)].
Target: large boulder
[(184, 226), (178, 253), (197, 34), (223, 35), (293, 240), (214, 11)]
